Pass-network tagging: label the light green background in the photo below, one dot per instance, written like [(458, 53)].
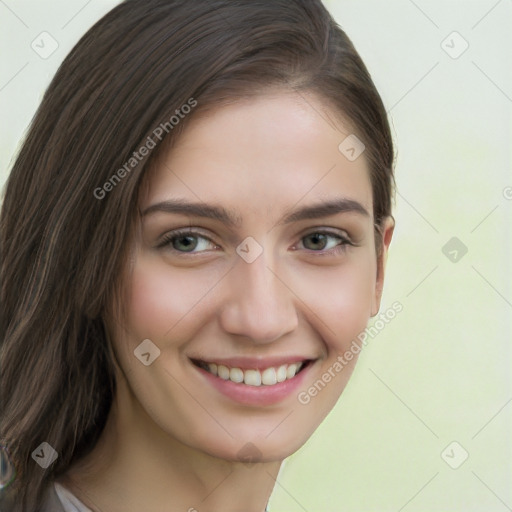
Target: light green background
[(440, 371)]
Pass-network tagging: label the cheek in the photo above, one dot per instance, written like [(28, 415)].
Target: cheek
[(340, 299), (340, 302), (164, 299)]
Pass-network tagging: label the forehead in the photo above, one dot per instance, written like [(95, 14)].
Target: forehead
[(260, 155)]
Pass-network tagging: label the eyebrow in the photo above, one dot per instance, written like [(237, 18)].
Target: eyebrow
[(230, 218), (326, 209)]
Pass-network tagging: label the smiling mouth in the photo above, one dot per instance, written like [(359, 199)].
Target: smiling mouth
[(252, 377)]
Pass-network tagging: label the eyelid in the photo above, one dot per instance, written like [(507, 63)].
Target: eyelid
[(166, 238), (339, 233), (343, 236)]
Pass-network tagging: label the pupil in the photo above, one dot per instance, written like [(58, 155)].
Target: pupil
[(318, 238), (188, 243)]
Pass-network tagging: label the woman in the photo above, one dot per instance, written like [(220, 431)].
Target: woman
[(193, 234)]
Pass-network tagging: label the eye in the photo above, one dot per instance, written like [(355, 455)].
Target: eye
[(192, 242), (186, 241), (325, 242)]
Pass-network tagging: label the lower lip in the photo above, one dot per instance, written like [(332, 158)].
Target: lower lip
[(256, 395)]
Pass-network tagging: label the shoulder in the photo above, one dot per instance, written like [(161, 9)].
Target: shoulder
[(59, 499), (51, 501)]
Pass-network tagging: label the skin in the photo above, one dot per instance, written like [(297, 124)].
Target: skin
[(172, 442)]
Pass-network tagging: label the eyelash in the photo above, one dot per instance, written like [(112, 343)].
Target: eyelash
[(337, 249), (170, 237)]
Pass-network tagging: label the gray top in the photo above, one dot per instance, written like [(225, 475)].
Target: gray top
[(60, 499)]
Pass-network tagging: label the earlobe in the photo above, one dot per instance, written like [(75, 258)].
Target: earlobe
[(386, 229)]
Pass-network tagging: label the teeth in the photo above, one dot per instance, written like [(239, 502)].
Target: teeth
[(281, 373), (236, 375), (290, 371), (252, 378), (223, 372), (267, 377)]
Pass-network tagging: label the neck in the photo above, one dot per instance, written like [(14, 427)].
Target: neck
[(136, 466)]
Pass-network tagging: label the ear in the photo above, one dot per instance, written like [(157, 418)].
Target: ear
[(385, 233)]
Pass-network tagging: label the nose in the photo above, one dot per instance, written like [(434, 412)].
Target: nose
[(258, 304)]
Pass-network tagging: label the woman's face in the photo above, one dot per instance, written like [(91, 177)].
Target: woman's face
[(255, 260)]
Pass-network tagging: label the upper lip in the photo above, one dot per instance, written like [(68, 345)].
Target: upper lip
[(253, 363)]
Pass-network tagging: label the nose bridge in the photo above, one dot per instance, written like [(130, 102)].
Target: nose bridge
[(258, 305)]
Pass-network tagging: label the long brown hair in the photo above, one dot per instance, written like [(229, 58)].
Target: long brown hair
[(69, 209)]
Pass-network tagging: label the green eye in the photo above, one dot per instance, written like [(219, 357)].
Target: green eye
[(186, 242), (321, 241), (192, 242)]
